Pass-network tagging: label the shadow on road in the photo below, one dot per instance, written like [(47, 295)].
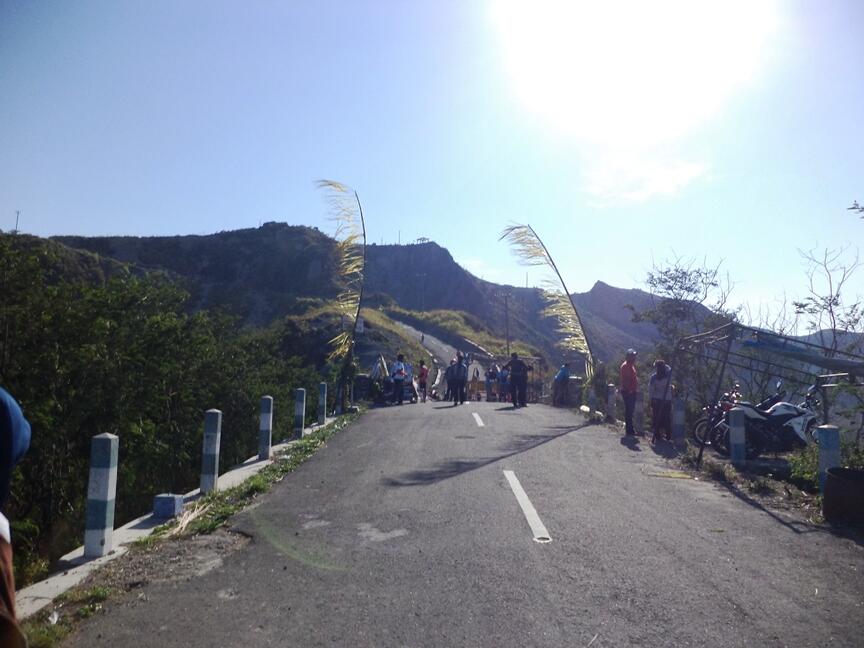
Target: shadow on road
[(798, 527), (665, 449), (455, 467), (631, 443)]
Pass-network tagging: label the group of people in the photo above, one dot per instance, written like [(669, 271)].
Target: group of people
[(401, 377), (511, 380), (507, 382), (660, 392)]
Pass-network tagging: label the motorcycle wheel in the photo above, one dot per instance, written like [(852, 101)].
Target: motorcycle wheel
[(700, 431), (720, 440)]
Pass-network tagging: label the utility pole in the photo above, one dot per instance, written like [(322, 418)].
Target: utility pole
[(17, 214), (507, 321), (422, 277)]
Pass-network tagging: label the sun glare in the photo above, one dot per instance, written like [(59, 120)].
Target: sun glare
[(631, 74)]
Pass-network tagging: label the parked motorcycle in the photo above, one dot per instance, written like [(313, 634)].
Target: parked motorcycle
[(779, 428), (704, 428)]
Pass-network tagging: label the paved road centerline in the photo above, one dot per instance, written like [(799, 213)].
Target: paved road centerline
[(537, 527), (477, 418)]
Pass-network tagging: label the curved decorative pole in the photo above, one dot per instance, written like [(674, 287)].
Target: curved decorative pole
[(350, 234), (531, 250)]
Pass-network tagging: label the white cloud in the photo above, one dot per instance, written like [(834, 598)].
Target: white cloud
[(628, 177)]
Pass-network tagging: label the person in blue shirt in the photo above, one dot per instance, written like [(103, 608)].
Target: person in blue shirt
[(559, 384)]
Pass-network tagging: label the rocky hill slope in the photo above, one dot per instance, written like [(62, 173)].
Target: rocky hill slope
[(264, 273)]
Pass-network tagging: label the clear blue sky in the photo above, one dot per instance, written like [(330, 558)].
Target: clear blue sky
[(621, 131)]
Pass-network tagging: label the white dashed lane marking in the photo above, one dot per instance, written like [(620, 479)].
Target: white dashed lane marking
[(477, 418), (537, 527)]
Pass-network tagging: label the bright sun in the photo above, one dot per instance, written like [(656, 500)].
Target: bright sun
[(631, 74)]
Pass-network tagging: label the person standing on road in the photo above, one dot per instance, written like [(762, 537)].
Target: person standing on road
[(491, 380), (518, 380), (449, 378), (660, 393), (460, 373), (422, 377), (398, 373), (559, 384), (503, 384), (629, 387)]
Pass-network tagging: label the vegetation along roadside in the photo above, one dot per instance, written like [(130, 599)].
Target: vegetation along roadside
[(201, 532)]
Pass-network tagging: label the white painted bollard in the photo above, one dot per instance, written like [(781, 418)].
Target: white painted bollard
[(299, 411), (265, 429), (610, 402), (738, 437), (829, 451), (678, 411), (210, 450), (322, 403), (101, 491), (639, 413)]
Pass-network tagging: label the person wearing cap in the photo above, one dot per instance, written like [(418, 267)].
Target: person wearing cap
[(629, 387), (518, 380), (14, 442), (660, 393), (398, 372), (460, 379)]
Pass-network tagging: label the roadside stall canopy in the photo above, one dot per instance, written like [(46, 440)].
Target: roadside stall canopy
[(795, 360)]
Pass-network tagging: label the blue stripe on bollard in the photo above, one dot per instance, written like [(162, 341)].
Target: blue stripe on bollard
[(103, 455), (99, 515)]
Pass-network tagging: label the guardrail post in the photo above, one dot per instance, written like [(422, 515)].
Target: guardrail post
[(639, 413), (678, 411), (829, 451), (737, 437), (610, 402), (101, 491), (265, 429), (299, 411), (210, 450), (322, 403)]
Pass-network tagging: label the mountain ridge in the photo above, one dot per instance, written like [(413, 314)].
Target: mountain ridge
[(245, 272)]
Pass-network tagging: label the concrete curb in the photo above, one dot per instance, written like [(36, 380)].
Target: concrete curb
[(75, 568)]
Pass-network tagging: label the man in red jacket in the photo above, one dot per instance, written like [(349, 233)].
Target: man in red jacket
[(629, 387)]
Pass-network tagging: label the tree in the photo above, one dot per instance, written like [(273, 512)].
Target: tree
[(830, 314), (687, 298)]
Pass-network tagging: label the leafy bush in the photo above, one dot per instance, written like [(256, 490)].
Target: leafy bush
[(805, 463), (123, 356)]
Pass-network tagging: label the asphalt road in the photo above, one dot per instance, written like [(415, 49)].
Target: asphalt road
[(405, 531)]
